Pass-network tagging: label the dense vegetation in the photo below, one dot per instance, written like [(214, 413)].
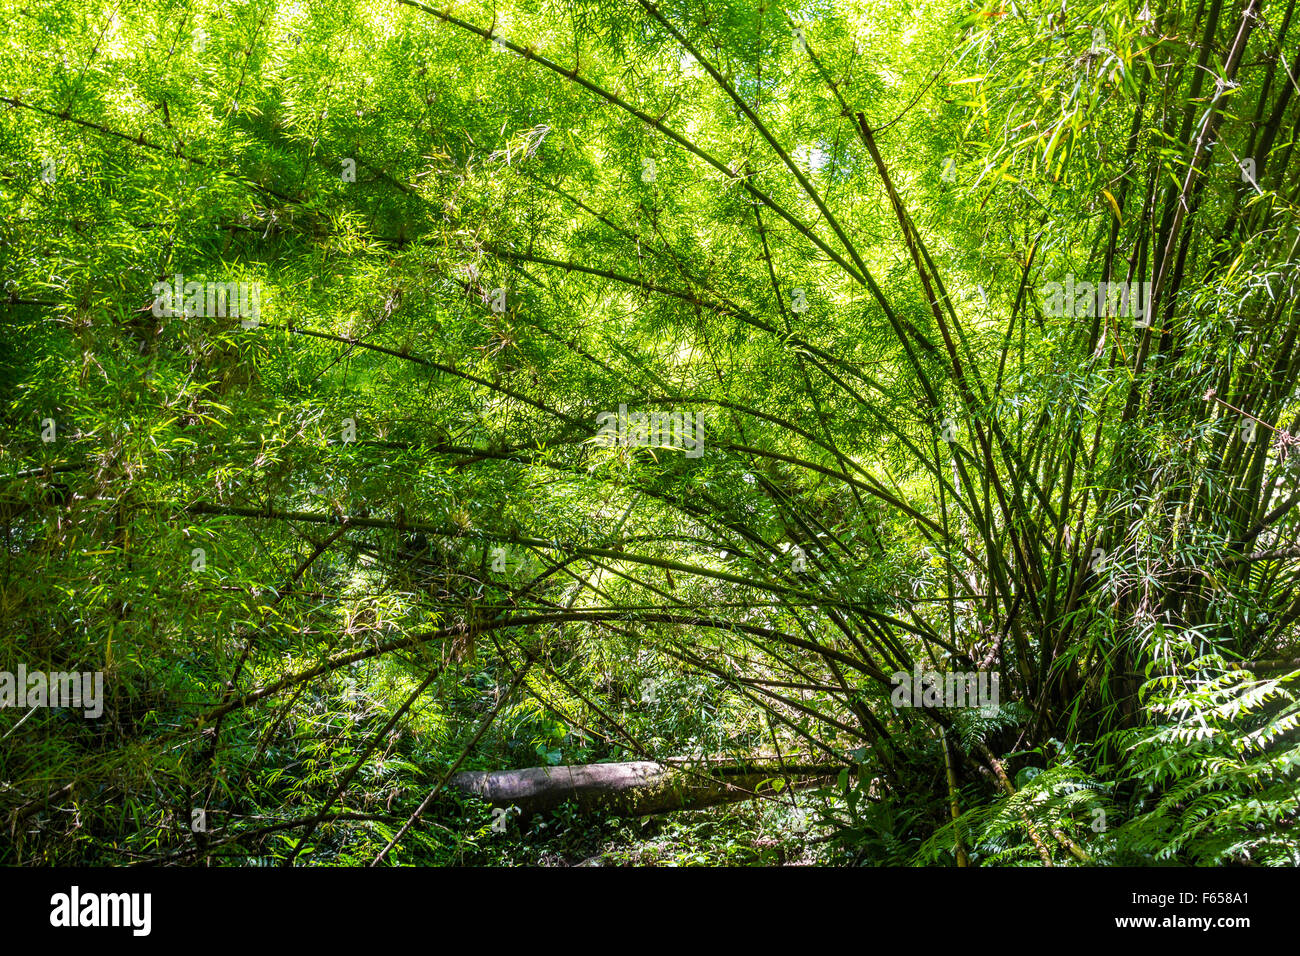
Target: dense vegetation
[(331, 552)]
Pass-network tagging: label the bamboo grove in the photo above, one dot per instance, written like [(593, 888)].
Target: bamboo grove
[(860, 241)]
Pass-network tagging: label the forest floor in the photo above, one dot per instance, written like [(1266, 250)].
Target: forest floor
[(736, 835)]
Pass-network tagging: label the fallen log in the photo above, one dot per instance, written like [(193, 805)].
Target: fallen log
[(633, 789)]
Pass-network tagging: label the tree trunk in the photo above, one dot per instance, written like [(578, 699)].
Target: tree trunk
[(634, 789)]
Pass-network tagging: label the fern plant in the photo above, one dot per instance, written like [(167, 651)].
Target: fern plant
[(1213, 776), (1209, 779)]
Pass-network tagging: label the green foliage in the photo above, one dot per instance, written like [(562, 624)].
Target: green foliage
[(326, 558)]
